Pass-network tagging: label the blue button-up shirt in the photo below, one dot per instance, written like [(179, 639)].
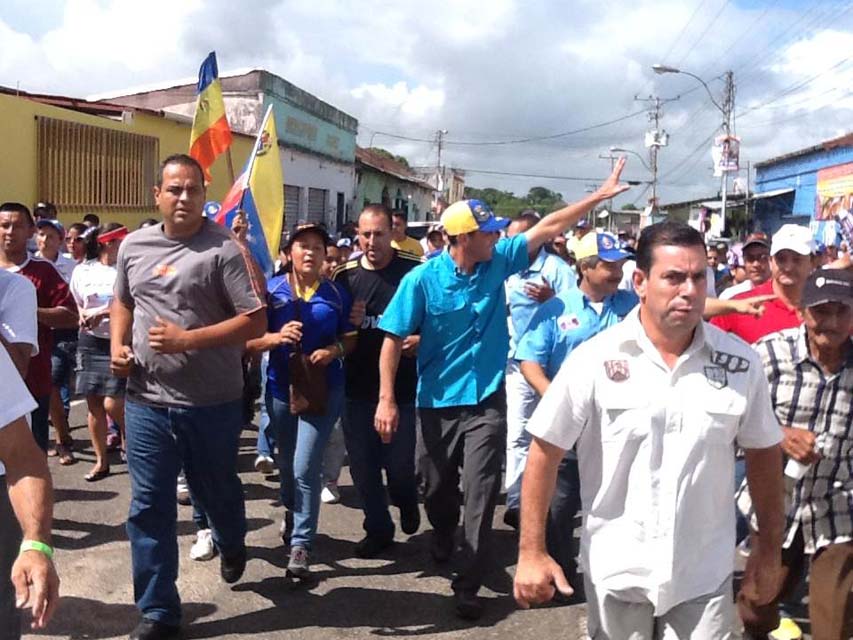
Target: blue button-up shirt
[(564, 322), (462, 323), (545, 268)]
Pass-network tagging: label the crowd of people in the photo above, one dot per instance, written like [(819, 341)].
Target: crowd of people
[(685, 399)]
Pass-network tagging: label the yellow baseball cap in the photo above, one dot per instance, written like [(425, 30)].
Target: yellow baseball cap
[(466, 216)]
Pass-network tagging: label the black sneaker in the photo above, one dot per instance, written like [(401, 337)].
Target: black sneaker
[(372, 546), (410, 519), (468, 606), (231, 568), (154, 630), (511, 518), (441, 547)]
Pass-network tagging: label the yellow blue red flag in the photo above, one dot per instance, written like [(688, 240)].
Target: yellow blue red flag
[(259, 193), (211, 134)]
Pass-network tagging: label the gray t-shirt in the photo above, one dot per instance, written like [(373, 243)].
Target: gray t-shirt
[(195, 282)]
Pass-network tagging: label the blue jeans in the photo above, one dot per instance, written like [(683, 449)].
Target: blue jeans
[(266, 434), (204, 440), (368, 456), (63, 359), (301, 441)]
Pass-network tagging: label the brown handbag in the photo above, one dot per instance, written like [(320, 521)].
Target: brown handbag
[(308, 389)]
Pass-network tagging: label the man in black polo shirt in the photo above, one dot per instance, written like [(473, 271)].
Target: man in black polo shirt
[(373, 278)]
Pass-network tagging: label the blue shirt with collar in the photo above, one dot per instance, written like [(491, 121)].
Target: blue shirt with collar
[(325, 317), (545, 268), (462, 322), (567, 320)]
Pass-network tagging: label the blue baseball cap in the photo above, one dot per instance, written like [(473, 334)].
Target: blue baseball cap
[(605, 246), (466, 216)]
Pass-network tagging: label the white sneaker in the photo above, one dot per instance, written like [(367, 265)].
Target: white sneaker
[(330, 493), (203, 548), (265, 465)]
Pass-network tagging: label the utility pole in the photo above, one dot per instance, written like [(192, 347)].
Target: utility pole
[(613, 160), (655, 139), (728, 113), (439, 172)]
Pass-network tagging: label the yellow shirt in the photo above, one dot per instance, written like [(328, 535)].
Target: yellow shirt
[(409, 245)]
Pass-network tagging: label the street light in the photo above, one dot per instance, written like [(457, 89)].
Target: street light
[(726, 109), (662, 69), (621, 150)]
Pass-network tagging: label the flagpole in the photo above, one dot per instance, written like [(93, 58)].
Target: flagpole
[(253, 155), (230, 165)]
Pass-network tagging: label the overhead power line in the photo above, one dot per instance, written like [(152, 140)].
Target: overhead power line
[(471, 143), (547, 177)]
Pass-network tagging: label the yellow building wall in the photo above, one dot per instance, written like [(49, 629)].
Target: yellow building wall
[(18, 160)]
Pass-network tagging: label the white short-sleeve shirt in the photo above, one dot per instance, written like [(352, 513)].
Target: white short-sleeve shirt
[(18, 321), (92, 287), (15, 399), (656, 456)]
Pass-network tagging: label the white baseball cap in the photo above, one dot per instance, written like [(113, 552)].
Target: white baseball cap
[(793, 237)]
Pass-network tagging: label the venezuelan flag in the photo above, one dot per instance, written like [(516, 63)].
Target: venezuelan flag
[(211, 134), (259, 192)]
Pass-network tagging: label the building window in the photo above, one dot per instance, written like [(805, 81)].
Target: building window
[(292, 198), (84, 167)]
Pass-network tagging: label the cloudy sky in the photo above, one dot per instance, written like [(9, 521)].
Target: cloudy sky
[(486, 71)]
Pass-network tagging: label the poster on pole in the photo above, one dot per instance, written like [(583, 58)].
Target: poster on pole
[(726, 154)]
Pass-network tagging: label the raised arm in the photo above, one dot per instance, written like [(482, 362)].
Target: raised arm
[(559, 221)]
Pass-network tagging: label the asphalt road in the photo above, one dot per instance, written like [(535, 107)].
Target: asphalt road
[(399, 595)]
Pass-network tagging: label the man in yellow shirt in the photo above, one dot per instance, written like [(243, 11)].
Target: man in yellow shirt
[(399, 239)]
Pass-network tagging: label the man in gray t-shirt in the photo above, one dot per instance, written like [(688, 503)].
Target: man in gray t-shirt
[(186, 301)]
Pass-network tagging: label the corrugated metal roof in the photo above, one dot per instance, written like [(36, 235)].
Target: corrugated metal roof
[(842, 141), (389, 166)]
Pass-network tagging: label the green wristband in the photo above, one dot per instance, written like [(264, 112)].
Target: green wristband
[(35, 545), (340, 346)]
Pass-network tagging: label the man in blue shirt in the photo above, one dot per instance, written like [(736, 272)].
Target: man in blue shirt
[(457, 302), (561, 324), (525, 292)]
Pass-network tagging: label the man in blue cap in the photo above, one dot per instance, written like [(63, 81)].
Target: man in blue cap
[(457, 303)]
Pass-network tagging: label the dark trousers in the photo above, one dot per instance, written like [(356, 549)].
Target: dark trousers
[(472, 438), (830, 597), (560, 531), (160, 440), (40, 422), (10, 541), (368, 457)]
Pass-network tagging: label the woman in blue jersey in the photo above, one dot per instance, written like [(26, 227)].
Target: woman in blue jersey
[(305, 310)]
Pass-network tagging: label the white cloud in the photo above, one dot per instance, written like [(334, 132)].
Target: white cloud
[(412, 103)]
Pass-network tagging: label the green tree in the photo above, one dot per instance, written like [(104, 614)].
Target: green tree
[(390, 156)]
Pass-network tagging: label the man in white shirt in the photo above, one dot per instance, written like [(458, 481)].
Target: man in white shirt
[(18, 325), (655, 406)]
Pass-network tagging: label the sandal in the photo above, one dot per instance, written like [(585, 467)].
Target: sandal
[(65, 454), (94, 476)]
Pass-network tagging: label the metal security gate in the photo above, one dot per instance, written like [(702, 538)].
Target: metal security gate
[(317, 205), (291, 206)]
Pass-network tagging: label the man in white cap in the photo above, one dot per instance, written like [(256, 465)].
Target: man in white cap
[(457, 303), (790, 265)]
